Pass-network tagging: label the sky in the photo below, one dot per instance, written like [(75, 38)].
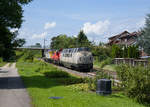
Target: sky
[(99, 19)]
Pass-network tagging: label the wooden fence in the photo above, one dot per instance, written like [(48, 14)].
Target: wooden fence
[(130, 61)]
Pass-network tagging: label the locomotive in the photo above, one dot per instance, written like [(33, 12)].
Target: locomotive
[(75, 58)]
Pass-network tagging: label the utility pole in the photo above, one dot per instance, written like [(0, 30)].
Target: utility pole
[(44, 43)]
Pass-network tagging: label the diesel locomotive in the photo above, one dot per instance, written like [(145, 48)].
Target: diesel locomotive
[(75, 58)]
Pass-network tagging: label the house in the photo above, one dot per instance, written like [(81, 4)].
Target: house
[(125, 38)]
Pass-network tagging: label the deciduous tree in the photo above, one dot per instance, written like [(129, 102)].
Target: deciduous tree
[(11, 14)]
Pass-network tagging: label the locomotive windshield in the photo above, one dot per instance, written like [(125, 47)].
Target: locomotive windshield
[(83, 49)]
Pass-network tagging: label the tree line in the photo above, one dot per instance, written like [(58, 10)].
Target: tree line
[(64, 41)]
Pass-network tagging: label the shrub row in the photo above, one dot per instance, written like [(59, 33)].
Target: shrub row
[(135, 82), (125, 52)]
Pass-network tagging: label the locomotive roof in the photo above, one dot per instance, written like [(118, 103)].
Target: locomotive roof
[(76, 49)]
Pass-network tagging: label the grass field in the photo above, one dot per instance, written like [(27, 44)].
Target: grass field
[(41, 88)]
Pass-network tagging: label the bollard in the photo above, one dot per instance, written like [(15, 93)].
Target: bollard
[(104, 87)]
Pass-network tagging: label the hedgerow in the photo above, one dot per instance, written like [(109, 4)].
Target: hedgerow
[(135, 81)]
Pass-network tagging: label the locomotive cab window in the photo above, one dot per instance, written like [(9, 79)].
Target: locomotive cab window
[(83, 49)]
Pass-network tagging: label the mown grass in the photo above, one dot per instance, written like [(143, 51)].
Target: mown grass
[(105, 66), (111, 67), (41, 88)]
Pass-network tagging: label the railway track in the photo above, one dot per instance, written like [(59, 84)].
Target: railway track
[(88, 74), (84, 74), (77, 73), (73, 72)]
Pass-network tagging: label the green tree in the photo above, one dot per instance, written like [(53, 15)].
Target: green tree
[(117, 51), (82, 40), (10, 17), (38, 45), (101, 43), (144, 38), (63, 41)]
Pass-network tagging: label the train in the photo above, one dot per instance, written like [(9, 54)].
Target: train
[(80, 59)]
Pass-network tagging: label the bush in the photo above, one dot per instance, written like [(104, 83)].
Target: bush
[(101, 52), (71, 80), (136, 82), (57, 74), (117, 51), (120, 51), (106, 62), (29, 55), (1, 60), (92, 82)]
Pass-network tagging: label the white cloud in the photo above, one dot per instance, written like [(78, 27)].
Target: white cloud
[(39, 36), (141, 23), (74, 35), (14, 30), (98, 28), (49, 25)]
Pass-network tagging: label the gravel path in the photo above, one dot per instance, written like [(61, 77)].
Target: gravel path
[(12, 90)]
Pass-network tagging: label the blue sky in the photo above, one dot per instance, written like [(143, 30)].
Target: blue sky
[(99, 19)]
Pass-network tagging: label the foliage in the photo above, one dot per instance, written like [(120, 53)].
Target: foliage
[(116, 51), (82, 40), (101, 52), (101, 44), (71, 80), (144, 38), (38, 45), (133, 52), (10, 18), (63, 41), (125, 51), (135, 81), (56, 74), (29, 55), (19, 42), (92, 82), (108, 61), (1, 60), (11, 12)]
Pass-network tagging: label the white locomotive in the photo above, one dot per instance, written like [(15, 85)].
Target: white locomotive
[(75, 58)]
